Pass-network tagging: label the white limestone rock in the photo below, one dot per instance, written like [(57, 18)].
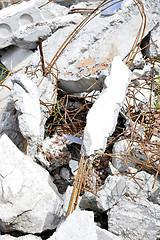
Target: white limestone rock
[(79, 225), (66, 199), (29, 201), (73, 166), (121, 149), (102, 117), (24, 118), (117, 186), (26, 97), (26, 237), (103, 234), (142, 187), (114, 188), (135, 220), (21, 118)]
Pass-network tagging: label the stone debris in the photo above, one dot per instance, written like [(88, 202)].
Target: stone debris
[(23, 108), (4, 95), (80, 225), (91, 69), (155, 196), (102, 117), (29, 201), (73, 166), (26, 237), (121, 149), (112, 191), (13, 56), (103, 234), (135, 220), (18, 17), (54, 151)]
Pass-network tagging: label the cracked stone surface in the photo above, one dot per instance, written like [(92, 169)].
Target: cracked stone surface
[(102, 117), (29, 201), (23, 118), (135, 220)]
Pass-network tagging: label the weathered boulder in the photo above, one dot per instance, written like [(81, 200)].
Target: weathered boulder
[(29, 201)]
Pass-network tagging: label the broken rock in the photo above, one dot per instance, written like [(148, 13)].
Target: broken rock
[(56, 151), (82, 222), (102, 117), (18, 17), (121, 149), (132, 220), (29, 201), (21, 118), (114, 188)]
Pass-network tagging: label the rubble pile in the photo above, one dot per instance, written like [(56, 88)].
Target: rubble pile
[(77, 96)]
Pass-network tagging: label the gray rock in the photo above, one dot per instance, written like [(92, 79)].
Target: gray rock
[(14, 56), (18, 17), (154, 50), (142, 187), (135, 220), (155, 196), (29, 201), (114, 188), (121, 149), (101, 39), (70, 2), (64, 173)]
